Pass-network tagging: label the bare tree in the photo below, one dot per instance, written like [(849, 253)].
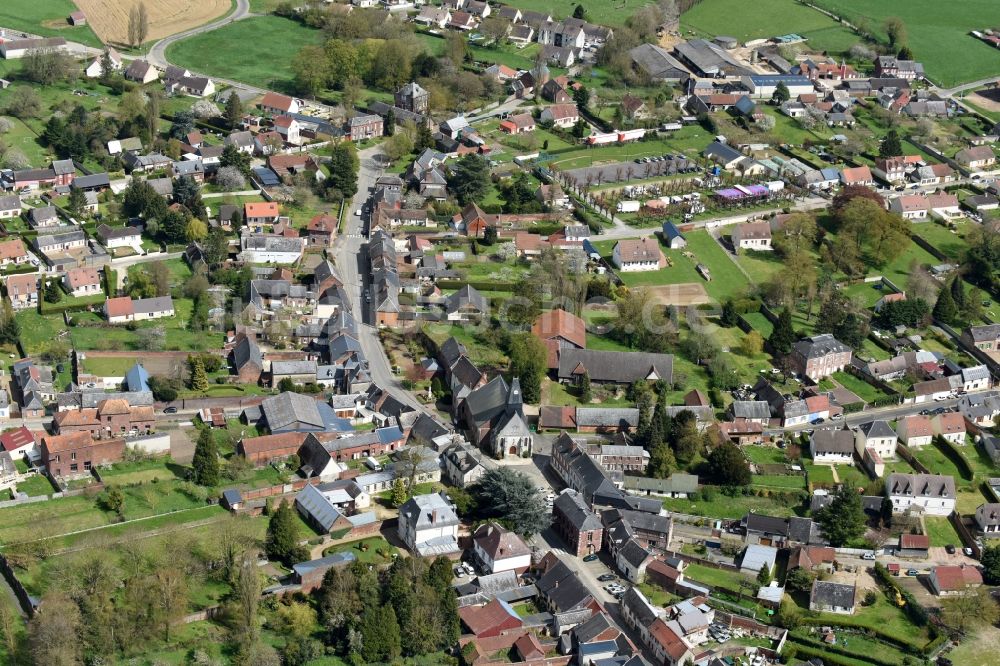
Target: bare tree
[(138, 25)]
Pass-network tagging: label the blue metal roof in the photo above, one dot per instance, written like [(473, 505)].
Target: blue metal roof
[(137, 378), (266, 177), (781, 78), (670, 231), (333, 560), (232, 496), (390, 434)]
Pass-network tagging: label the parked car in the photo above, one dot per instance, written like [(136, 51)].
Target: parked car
[(590, 558), (868, 556), (604, 578), (170, 410), (912, 572), (950, 549), (967, 551)]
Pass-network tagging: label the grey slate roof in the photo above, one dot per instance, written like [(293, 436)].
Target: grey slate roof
[(819, 346), (831, 440), (877, 429), (828, 593), (571, 504), (616, 367), (247, 352), (920, 485), (751, 409)]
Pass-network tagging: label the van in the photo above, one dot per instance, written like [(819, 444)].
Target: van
[(373, 464)]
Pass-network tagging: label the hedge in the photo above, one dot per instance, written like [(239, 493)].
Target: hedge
[(481, 286), (837, 650), (952, 454), (19, 270), (57, 308), (830, 657)]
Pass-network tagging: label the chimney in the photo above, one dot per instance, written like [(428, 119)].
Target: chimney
[(434, 517)]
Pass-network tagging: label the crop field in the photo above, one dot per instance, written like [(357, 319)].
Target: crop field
[(109, 18), (767, 18), (938, 33), (223, 52), (48, 18)]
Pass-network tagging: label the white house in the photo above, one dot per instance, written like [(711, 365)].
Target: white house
[(561, 115), (499, 549), (83, 281), (951, 426), (988, 518), (830, 597), (752, 236), (641, 254), (916, 431), (878, 436), (832, 446), (976, 378), (124, 309), (428, 525), (934, 494), (96, 68)]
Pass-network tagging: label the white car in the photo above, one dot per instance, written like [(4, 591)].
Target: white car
[(357, 213), (868, 556)]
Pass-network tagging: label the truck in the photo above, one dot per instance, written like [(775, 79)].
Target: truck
[(602, 139), (631, 135), (628, 206)]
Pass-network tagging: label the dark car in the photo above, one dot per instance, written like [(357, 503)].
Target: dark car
[(170, 410), (590, 558), (608, 577), (950, 549)]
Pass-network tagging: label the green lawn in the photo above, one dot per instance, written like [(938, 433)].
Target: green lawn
[(224, 53), (941, 532), (951, 243), (723, 506), (48, 18), (859, 387), (938, 33), (715, 577), (769, 18), (109, 367), (937, 462), (366, 550), (35, 486), (604, 13)]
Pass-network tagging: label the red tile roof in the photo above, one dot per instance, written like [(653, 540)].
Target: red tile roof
[(493, 617), (119, 307), (15, 439), (916, 541), (951, 578)]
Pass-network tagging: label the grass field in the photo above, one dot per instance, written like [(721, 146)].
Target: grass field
[(944, 240), (224, 52), (938, 33), (598, 11), (941, 532), (374, 550), (768, 18), (47, 18), (35, 486), (723, 506), (860, 388)]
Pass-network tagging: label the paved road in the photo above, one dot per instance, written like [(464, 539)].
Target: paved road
[(350, 260)]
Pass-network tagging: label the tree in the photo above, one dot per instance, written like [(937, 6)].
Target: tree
[(843, 519), (891, 145), (282, 540), (195, 230), (205, 463), (397, 146), (494, 29), (849, 193), (972, 609), (138, 25), (783, 334), (230, 179), (286, 384), (470, 178), (114, 500), (895, 30), (581, 96), (234, 110), (424, 140), (585, 390), (53, 292), (661, 461), (311, 70), (199, 379), (343, 170), (752, 344), (380, 637), (24, 103), (945, 309), (764, 575), (799, 580), (54, 634), (511, 498), (729, 466), (399, 492), (580, 12), (77, 202), (490, 236), (246, 598), (232, 157), (528, 363), (10, 330), (905, 53), (990, 562), (781, 93)]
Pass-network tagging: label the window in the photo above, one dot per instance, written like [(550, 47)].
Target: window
[(72, 456), (73, 467)]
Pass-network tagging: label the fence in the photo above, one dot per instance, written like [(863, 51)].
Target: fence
[(23, 598), (904, 453), (963, 532)]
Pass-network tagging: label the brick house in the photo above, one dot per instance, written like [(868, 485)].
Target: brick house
[(111, 418), (77, 453), (820, 356), (365, 126), (22, 290), (578, 526), (321, 230)]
